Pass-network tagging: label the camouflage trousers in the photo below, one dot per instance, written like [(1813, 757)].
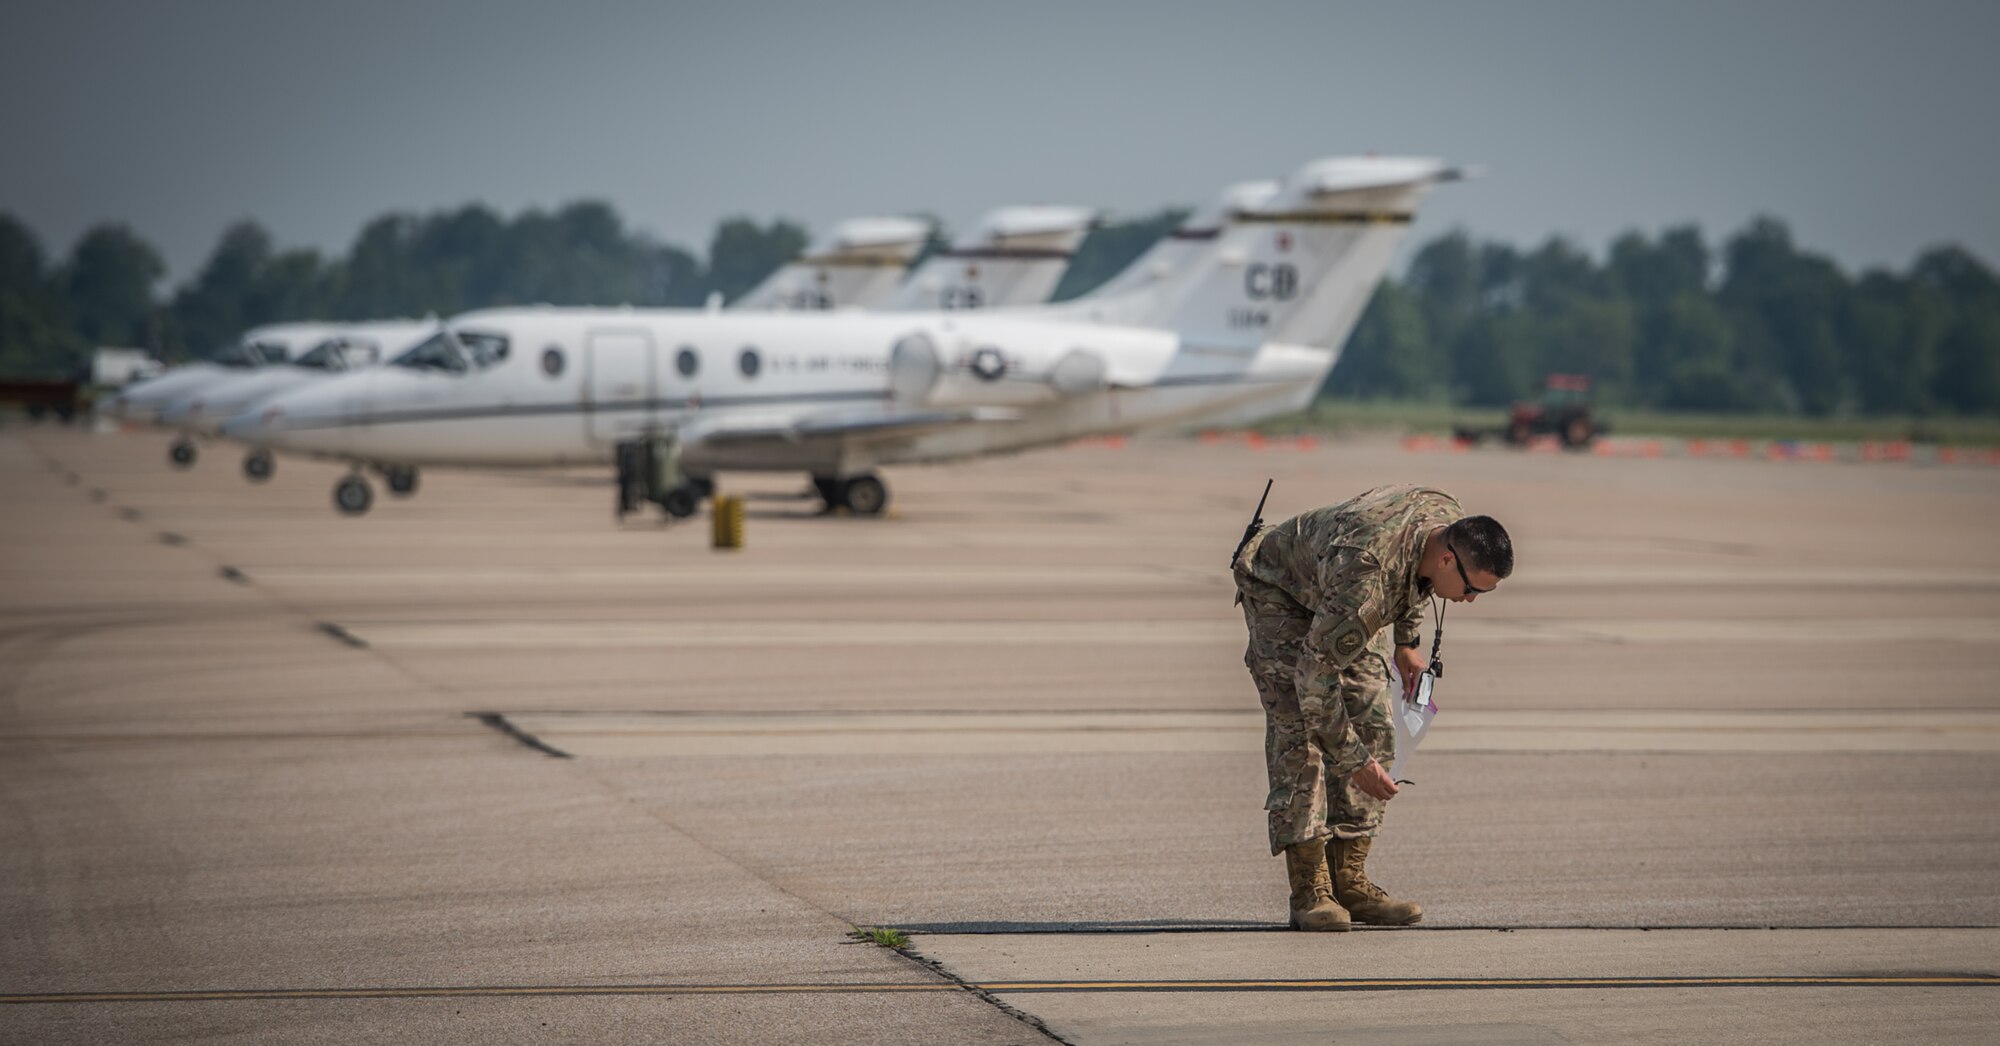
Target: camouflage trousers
[(1306, 700)]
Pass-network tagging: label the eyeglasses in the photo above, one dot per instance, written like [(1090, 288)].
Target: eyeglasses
[(1458, 563)]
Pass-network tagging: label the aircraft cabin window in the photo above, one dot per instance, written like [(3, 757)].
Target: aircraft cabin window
[(485, 349), (436, 352), (687, 363), (552, 361), (749, 362)]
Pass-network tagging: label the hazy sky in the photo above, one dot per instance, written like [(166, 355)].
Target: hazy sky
[(1869, 127)]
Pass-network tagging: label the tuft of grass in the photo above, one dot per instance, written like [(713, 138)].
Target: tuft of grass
[(885, 936)]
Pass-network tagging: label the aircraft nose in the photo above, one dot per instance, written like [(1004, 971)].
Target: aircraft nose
[(251, 423)]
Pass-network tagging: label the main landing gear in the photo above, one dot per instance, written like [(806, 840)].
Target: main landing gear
[(182, 453), (649, 470), (863, 495), (353, 496)]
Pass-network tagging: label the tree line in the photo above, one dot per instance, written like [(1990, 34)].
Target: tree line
[(1670, 323), (1665, 322)]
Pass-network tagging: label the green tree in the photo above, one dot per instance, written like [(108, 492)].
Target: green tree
[(376, 279), (1688, 357), (108, 283), (23, 264), (669, 276), (1785, 304), (35, 334), (1891, 331), (1967, 375), (1391, 353), (210, 312), (743, 253)]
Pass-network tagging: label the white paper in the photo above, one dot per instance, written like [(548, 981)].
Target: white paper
[(1412, 716)]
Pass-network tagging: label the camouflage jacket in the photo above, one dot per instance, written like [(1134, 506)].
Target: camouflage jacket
[(1354, 565)]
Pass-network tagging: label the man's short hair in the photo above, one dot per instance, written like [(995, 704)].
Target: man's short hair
[(1484, 545)]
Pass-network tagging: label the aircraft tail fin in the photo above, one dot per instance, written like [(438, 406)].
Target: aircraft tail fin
[(1186, 245), (858, 265), (1296, 267), (1016, 257)]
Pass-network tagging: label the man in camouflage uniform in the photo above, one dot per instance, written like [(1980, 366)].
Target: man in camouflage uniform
[(1323, 593)]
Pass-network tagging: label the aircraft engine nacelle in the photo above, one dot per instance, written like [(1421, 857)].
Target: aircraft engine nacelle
[(977, 372)]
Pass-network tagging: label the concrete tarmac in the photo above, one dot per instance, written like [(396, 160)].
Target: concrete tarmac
[(1718, 764)]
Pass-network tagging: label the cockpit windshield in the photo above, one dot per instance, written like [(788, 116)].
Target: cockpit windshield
[(324, 356), (437, 352), (237, 355), (455, 352), (338, 354), (251, 354)]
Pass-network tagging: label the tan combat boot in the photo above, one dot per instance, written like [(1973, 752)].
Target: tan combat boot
[(1313, 907), (1366, 900)]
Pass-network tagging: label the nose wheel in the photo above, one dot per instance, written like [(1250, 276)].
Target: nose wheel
[(258, 466), (182, 453), (352, 495)]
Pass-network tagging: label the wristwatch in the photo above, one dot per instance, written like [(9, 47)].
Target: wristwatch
[(1412, 644)]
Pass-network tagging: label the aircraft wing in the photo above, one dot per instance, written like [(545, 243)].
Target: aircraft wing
[(860, 423)]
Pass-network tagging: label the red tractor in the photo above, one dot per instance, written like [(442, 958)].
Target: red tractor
[(1563, 412)]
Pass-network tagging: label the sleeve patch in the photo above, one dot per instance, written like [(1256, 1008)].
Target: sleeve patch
[(1347, 642)]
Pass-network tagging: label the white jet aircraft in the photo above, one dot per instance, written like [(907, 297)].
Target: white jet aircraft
[(858, 265), (1255, 324), (256, 347), (202, 411)]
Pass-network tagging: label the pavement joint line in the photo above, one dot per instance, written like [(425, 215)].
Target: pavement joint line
[(954, 984), (500, 722), (975, 929), (343, 635), (302, 735), (985, 994)]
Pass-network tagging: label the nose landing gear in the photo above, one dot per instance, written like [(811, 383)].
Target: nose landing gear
[(182, 453), (649, 470), (258, 466)]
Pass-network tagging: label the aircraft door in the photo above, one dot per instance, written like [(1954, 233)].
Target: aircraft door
[(623, 386)]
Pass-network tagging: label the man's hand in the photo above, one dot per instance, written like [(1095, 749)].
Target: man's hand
[(1410, 664), (1375, 781)]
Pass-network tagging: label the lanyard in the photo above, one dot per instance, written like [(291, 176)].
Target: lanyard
[(1437, 638)]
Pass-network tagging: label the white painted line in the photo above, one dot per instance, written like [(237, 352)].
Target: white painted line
[(628, 735), (1223, 630)]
